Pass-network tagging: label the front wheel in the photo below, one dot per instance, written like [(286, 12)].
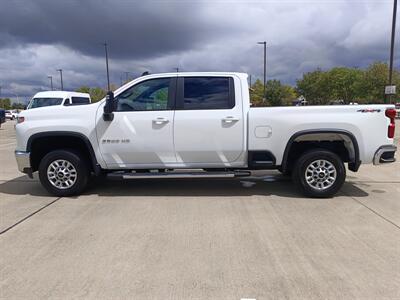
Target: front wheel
[(63, 173), (319, 173)]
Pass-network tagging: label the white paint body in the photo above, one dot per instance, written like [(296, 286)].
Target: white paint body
[(203, 138)]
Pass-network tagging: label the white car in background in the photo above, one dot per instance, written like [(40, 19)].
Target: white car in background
[(51, 98), (11, 114)]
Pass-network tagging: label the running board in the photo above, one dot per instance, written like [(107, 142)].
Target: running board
[(157, 175)]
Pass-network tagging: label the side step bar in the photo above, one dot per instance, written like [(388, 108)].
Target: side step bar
[(156, 175)]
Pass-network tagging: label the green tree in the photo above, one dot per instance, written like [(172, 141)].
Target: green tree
[(289, 95), (256, 93), (314, 87), (5, 103), (18, 106), (278, 94), (96, 93), (344, 84), (83, 89), (373, 82), (348, 84)]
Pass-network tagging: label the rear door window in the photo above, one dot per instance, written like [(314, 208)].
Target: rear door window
[(198, 93)]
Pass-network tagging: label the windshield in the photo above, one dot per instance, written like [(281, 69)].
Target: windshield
[(41, 102)]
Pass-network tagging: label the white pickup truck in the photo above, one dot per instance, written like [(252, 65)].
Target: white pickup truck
[(200, 125), (50, 98)]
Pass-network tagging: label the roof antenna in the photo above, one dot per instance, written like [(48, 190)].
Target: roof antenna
[(109, 106)]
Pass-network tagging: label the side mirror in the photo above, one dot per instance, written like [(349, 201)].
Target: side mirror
[(108, 114)]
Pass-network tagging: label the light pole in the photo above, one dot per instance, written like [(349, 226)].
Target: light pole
[(265, 66), (127, 76), (16, 96), (176, 69), (51, 81), (392, 45), (62, 85)]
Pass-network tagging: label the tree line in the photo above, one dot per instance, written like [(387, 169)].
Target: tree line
[(363, 86), (5, 103)]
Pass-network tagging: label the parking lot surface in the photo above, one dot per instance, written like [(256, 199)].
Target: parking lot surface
[(251, 238)]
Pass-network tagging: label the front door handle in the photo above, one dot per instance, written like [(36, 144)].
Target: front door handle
[(160, 121), (230, 119)]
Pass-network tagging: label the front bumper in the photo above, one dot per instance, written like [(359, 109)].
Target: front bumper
[(385, 154), (24, 162)]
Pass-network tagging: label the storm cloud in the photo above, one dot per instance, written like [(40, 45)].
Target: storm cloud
[(38, 37)]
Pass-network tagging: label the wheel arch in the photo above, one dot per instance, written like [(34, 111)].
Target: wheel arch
[(325, 135), (53, 142)]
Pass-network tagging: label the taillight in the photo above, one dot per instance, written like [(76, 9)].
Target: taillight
[(20, 119), (391, 114)]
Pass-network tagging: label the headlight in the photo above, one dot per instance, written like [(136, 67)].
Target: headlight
[(20, 119)]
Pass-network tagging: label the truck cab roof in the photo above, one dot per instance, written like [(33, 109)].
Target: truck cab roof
[(59, 94)]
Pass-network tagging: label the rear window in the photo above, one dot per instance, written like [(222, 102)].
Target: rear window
[(80, 100), (41, 102), (208, 93)]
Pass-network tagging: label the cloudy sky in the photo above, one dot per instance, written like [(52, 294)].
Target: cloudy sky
[(39, 36)]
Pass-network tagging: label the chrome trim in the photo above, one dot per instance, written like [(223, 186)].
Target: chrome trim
[(205, 175), (230, 174), (23, 161), (384, 149)]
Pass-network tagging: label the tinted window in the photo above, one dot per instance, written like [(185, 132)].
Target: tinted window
[(41, 102), (147, 95), (207, 93), (80, 100)]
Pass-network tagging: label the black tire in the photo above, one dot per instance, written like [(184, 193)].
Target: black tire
[(76, 160), (299, 173)]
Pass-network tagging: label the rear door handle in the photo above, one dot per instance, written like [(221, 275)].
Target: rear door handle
[(160, 121), (230, 119)]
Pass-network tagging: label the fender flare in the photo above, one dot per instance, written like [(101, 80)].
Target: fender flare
[(82, 137), (354, 164)]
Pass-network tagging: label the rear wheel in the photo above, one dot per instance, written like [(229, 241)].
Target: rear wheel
[(63, 173), (319, 173)]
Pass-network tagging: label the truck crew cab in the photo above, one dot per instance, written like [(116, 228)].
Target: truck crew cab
[(190, 125)]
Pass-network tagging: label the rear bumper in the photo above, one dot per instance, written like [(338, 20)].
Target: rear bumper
[(24, 162), (385, 154)]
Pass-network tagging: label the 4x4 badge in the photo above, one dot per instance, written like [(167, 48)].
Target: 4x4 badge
[(366, 110)]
